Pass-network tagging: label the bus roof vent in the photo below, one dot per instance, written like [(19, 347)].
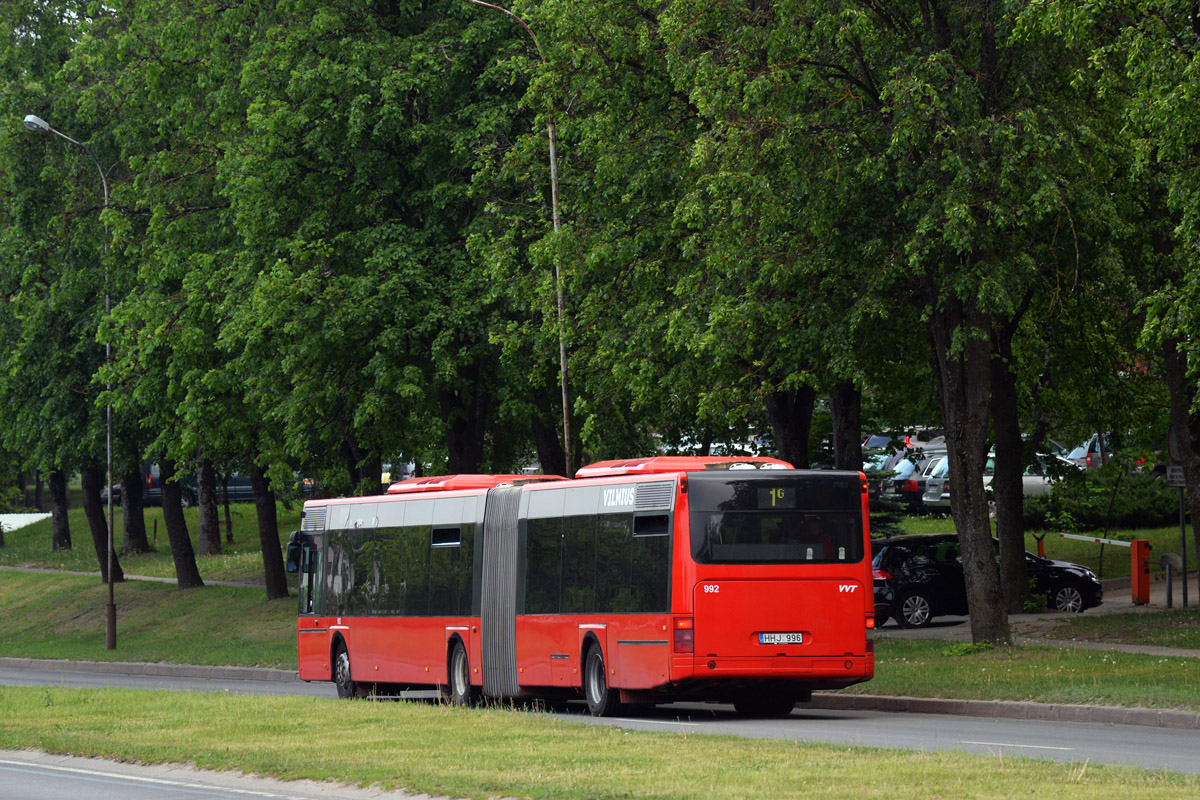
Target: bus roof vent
[(662, 464), (313, 518), (449, 483)]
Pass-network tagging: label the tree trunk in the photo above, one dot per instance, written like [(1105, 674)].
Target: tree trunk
[(37, 490), (364, 467), (963, 367), (133, 517), (1007, 489), (551, 456), (464, 412), (186, 571), (268, 535), (210, 523), (228, 513), (791, 413), (60, 527), (91, 479), (1185, 426), (846, 406)]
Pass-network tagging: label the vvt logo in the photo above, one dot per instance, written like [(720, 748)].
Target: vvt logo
[(847, 587)]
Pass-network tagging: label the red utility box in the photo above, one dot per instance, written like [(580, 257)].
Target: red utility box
[(1140, 571)]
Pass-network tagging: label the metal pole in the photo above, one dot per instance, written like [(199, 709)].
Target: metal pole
[(1183, 546), (558, 282), (37, 124)]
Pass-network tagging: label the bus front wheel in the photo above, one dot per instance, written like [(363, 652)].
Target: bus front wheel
[(602, 701), (341, 672)]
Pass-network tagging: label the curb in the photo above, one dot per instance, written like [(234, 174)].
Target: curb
[(1002, 709), (156, 670), (1009, 709)]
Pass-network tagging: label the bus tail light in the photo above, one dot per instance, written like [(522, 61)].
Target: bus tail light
[(685, 639)]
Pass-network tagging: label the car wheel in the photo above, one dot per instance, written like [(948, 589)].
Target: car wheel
[(602, 701), (341, 672), (1068, 598), (914, 610), (185, 500), (769, 705)]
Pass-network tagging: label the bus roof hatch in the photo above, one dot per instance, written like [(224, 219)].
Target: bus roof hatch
[(661, 464), (449, 483)]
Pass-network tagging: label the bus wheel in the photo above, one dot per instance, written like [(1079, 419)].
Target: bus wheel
[(458, 690), (602, 702), (341, 672), (755, 704)]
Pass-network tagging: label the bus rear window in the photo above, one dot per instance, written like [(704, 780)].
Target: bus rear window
[(809, 520)]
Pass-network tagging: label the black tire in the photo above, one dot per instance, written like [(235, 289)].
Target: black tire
[(914, 610), (1068, 598), (765, 705), (346, 688), (185, 500), (458, 689), (602, 702)]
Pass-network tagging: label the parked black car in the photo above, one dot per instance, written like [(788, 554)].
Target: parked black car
[(920, 577), (240, 490)]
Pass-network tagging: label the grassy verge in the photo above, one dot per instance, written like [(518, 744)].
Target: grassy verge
[(62, 616), (1176, 627), (490, 753), (931, 668), (240, 562)]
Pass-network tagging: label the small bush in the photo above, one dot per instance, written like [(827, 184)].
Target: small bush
[(1100, 499), (966, 648)]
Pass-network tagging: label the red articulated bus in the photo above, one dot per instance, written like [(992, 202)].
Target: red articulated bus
[(648, 581)]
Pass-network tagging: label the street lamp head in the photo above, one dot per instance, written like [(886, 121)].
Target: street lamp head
[(36, 124)]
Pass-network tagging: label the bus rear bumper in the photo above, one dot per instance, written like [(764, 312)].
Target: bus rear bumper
[(821, 672)]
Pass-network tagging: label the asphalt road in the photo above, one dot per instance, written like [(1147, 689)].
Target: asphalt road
[(1132, 745)]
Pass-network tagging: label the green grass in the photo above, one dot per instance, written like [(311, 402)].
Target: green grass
[(1176, 627), (501, 753), (240, 562), (62, 617), (932, 668)]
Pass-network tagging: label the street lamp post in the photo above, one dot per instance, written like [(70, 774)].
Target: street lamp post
[(39, 125), (558, 281)]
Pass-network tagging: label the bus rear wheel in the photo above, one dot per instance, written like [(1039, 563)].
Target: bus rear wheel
[(602, 701), (458, 688), (341, 672)]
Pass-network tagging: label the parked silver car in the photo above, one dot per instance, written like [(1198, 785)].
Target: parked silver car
[(1037, 479)]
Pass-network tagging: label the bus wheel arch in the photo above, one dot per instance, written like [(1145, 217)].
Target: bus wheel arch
[(340, 668), (602, 700), (458, 690)]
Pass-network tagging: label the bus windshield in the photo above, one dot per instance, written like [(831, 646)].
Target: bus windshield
[(777, 520)]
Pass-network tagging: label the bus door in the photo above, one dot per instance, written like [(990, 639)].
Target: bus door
[(312, 630)]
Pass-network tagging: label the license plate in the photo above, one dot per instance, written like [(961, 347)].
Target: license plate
[(781, 638)]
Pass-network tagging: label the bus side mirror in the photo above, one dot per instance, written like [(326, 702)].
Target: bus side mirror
[(293, 555)]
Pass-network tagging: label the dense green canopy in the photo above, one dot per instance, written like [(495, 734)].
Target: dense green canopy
[(329, 243)]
